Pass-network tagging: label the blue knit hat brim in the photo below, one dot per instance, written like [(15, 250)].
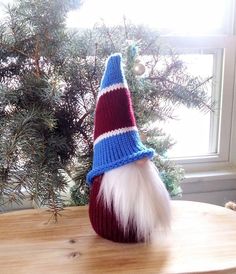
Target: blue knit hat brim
[(108, 157)]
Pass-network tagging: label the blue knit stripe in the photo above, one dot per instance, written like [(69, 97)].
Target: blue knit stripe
[(116, 151), (113, 73)]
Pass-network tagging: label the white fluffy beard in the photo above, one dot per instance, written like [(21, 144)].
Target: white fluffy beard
[(138, 197)]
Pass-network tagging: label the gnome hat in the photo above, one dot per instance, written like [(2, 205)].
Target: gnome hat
[(116, 138)]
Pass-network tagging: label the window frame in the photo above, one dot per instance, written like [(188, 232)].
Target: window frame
[(226, 44)]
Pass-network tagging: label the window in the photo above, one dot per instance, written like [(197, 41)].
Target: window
[(205, 137), (203, 34), (196, 132), (169, 16)]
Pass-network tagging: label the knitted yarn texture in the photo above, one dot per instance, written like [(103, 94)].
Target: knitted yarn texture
[(116, 138)]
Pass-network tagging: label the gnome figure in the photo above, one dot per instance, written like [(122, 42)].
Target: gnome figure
[(128, 200)]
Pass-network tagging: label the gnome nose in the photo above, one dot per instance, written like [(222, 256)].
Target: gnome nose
[(141, 161)]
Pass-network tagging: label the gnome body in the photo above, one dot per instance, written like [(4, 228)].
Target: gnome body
[(104, 219), (128, 201)]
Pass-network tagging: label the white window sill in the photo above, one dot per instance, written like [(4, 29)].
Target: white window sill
[(222, 179), (219, 174)]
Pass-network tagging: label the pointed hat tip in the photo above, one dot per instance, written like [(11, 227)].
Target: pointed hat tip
[(113, 72)]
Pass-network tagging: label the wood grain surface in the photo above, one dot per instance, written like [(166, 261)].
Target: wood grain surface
[(202, 240)]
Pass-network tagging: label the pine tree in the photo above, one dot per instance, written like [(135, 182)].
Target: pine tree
[(49, 78), (33, 145)]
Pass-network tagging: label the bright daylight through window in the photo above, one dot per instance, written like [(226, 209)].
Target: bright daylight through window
[(197, 134), (192, 129), (191, 28)]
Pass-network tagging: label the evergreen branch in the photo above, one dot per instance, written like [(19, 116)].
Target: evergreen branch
[(37, 57), (81, 120), (19, 51), (14, 49), (125, 27), (193, 91), (95, 59), (109, 36)]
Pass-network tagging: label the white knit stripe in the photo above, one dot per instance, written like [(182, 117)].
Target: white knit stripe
[(113, 133), (110, 88)]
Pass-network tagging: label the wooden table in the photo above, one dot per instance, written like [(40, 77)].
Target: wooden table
[(203, 240)]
